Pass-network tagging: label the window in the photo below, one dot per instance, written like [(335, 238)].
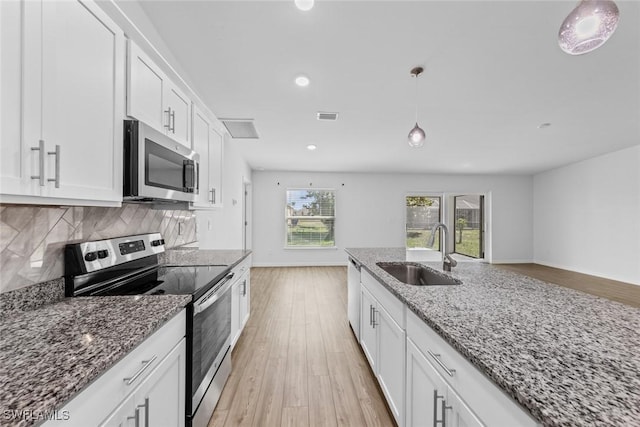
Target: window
[(310, 218), (423, 212), (468, 232)]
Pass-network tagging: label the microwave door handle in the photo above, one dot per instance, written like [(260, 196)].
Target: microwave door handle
[(188, 173)]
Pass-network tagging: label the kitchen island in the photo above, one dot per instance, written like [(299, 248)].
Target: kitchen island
[(566, 357)]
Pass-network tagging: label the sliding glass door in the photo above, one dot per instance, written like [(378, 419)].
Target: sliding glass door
[(468, 226)]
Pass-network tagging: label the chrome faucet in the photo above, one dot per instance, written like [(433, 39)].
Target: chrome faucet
[(447, 261)]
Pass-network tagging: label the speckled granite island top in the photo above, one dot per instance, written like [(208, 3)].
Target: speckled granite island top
[(49, 354), (570, 358), (195, 256)]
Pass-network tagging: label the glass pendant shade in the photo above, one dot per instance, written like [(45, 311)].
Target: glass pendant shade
[(588, 26), (416, 137)]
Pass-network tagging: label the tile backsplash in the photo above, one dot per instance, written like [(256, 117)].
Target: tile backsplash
[(32, 238)]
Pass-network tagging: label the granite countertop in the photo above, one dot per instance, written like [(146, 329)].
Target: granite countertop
[(195, 256), (50, 353), (568, 357)]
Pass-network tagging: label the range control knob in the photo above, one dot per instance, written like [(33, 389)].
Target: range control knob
[(157, 242), (91, 256), (103, 253)]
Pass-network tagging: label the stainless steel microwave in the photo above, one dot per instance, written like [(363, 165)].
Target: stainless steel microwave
[(156, 167)]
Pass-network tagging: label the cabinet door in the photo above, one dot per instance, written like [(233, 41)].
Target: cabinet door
[(367, 328), (161, 397), (245, 300), (15, 162), (145, 90), (124, 415), (201, 134), (216, 147), (391, 359), (179, 107), (425, 390), (461, 414), (82, 101)]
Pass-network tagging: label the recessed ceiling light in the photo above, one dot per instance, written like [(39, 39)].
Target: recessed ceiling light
[(302, 80), (544, 125), (311, 147), (304, 4)]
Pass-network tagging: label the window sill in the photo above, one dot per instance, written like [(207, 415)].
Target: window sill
[(297, 248)]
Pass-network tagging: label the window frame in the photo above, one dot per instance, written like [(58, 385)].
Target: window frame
[(287, 217), (441, 215), (481, 229)]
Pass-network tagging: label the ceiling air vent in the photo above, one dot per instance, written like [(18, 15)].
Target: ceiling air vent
[(327, 116), (240, 128)]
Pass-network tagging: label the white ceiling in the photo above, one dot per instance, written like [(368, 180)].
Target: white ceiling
[(493, 73)]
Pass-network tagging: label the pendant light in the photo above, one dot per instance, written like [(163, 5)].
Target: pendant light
[(588, 26), (416, 135)]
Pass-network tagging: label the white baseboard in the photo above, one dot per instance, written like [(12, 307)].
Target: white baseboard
[(300, 264), (587, 272), (512, 261)]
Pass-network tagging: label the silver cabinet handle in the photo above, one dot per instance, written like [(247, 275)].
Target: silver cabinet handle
[(145, 366), (435, 409), (444, 412), (40, 176), (211, 192), (168, 125), (57, 176), (436, 357), (136, 417), (213, 196), (173, 121), (244, 288), (146, 411)]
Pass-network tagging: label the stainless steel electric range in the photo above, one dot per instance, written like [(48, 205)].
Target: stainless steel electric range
[(129, 266)]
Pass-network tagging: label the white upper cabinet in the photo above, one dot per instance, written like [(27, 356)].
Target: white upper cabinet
[(216, 151), (14, 176), (207, 142), (68, 147), (154, 99)]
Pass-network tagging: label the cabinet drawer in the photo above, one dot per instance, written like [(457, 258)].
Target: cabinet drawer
[(242, 267), (391, 304), (490, 403), (98, 399)]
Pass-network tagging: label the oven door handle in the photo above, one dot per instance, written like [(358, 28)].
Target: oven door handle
[(213, 296)]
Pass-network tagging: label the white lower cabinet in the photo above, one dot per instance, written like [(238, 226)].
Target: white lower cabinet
[(383, 341), (442, 385), (146, 388), (240, 299), (430, 401), (425, 381)]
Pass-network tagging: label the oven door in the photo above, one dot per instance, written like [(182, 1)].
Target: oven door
[(211, 337)]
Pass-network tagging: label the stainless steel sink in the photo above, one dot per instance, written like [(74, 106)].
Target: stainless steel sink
[(417, 274)]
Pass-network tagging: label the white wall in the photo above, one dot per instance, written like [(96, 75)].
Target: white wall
[(222, 228), (370, 212), (587, 216)]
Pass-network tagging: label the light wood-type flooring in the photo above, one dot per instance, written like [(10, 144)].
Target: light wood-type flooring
[(297, 362), (625, 293)]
